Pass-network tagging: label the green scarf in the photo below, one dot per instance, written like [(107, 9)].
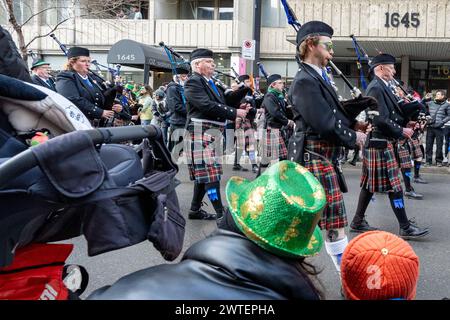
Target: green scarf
[(277, 93)]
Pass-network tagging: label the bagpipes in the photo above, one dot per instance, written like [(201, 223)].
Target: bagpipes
[(108, 89), (409, 106), (352, 107)]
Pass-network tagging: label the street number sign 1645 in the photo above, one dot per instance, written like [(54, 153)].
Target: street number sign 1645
[(126, 57), (408, 20)]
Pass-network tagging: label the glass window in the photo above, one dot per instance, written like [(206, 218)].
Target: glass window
[(226, 10), (205, 10), (273, 14), (23, 9), (439, 70)]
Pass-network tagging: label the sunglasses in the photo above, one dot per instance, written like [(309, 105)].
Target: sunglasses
[(328, 45)]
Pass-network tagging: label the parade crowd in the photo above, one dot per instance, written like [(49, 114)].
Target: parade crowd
[(295, 139)]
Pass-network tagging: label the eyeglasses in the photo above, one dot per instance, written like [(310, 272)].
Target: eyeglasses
[(328, 45)]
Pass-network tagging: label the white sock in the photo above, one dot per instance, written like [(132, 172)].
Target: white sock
[(335, 251)]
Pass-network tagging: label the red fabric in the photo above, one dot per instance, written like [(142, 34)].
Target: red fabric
[(36, 273)]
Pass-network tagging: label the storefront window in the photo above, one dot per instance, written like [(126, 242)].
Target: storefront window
[(427, 76)]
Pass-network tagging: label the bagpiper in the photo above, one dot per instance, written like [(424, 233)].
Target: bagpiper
[(380, 171), (207, 112), (322, 128)]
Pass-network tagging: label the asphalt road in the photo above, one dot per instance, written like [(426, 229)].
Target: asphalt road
[(433, 251)]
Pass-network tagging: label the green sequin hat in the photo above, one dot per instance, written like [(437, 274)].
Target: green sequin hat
[(279, 210)]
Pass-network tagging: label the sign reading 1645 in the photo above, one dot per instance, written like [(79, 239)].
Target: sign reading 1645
[(126, 57), (409, 19)]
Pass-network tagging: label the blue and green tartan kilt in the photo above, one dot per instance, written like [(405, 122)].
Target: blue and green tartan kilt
[(274, 142), (415, 148), (204, 163), (380, 170), (334, 215), (403, 154)]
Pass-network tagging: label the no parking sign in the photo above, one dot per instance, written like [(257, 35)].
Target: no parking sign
[(248, 49)]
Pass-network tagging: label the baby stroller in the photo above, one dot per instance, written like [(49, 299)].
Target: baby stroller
[(81, 182)]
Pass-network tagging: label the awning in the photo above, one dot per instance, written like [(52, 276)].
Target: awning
[(138, 55)]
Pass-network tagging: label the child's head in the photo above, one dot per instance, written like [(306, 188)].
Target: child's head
[(378, 265)]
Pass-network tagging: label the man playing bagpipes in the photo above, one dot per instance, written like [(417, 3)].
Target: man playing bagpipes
[(380, 172), (323, 125), (244, 128), (208, 107)]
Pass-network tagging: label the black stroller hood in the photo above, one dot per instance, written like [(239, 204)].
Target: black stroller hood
[(72, 185)]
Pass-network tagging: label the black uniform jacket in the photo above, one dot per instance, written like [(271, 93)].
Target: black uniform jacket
[(389, 123), (317, 110), (175, 103), (204, 103), (226, 265), (275, 110), (40, 82), (90, 100)]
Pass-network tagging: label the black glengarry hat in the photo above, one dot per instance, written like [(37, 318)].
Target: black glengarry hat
[(77, 52), (313, 28), (383, 58), (272, 78), (202, 54)]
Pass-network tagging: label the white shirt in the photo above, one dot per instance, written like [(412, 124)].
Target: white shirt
[(318, 70)]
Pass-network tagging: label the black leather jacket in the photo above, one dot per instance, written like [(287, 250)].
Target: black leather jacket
[(224, 266)]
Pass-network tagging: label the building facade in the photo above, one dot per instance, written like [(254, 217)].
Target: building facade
[(416, 32)]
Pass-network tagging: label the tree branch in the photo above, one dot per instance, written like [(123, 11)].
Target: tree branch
[(47, 34)]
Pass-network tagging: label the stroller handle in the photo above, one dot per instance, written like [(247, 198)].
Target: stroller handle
[(26, 160)]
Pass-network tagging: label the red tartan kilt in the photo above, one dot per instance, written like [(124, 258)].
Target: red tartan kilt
[(380, 170), (203, 163), (274, 141), (334, 215), (403, 155), (245, 136), (415, 147)]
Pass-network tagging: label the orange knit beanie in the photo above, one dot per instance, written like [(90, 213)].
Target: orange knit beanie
[(378, 265)]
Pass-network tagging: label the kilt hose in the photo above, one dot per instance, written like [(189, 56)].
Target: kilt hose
[(201, 143), (402, 153), (274, 142), (380, 170), (334, 215)]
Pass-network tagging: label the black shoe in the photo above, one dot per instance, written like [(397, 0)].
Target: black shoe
[(353, 162), (238, 167), (413, 195), (254, 168), (361, 227), (413, 232), (420, 180), (201, 214), (262, 165), (439, 164)]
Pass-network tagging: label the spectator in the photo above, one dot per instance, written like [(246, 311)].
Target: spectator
[(145, 112), (135, 13), (439, 110), (121, 15), (378, 265), (161, 112), (447, 139), (257, 253)]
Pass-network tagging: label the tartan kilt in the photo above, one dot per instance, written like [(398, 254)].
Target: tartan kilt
[(245, 137), (403, 156), (203, 163), (274, 141), (380, 170), (415, 147), (334, 215)]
